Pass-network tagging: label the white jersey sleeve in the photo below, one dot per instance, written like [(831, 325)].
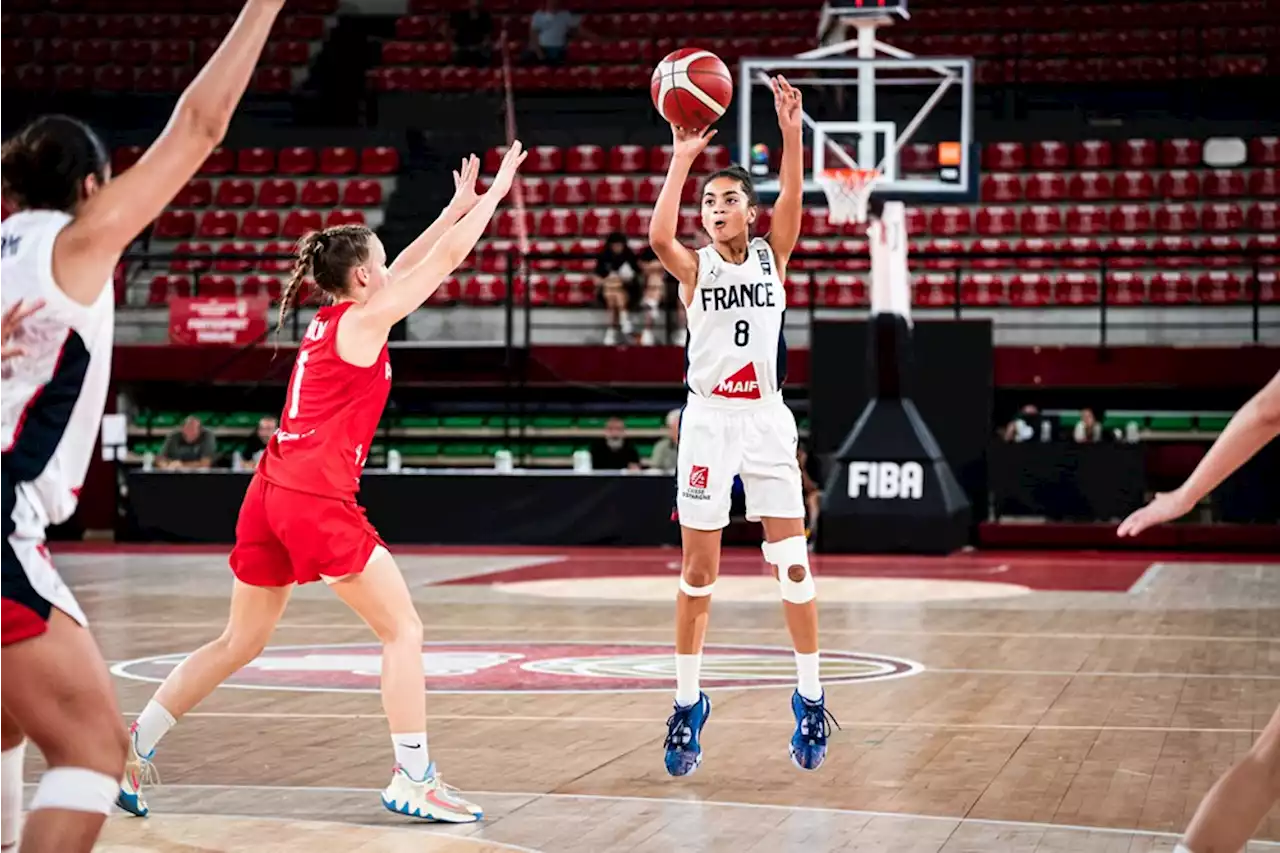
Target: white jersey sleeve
[(54, 394), (736, 349)]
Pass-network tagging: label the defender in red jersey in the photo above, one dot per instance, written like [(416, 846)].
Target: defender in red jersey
[(300, 521)]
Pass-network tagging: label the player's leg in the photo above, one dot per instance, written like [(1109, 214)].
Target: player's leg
[(1238, 802), (379, 595), (14, 745), (705, 468), (59, 693), (771, 477)]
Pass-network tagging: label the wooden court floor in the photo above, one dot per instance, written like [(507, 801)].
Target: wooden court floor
[(989, 702)]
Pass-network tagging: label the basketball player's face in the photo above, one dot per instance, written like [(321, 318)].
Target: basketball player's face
[(727, 213), (373, 272)]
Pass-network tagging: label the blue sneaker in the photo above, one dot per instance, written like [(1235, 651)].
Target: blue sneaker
[(138, 771), (813, 727), (684, 750)]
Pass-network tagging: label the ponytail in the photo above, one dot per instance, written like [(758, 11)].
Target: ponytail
[(308, 251)]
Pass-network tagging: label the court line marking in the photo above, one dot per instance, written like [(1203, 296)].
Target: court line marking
[(890, 632), (720, 721), (1148, 577), (674, 801)]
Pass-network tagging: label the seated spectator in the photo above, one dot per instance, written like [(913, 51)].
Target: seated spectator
[(809, 485), (257, 442), (660, 290), (618, 286), (472, 30), (1025, 427), (1088, 430), (549, 31), (666, 450), (190, 447), (615, 452)]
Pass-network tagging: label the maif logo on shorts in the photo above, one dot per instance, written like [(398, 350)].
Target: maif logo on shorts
[(698, 477)]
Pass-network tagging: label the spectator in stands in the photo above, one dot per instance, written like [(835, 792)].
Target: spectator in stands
[(472, 30), (809, 483), (660, 289), (1087, 430), (615, 452), (549, 31), (258, 441), (190, 447), (1025, 427), (618, 286), (664, 453)]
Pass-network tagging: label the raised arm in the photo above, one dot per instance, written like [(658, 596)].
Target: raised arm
[(677, 258), (1257, 423), (412, 286), (87, 249), (464, 199), (785, 229)]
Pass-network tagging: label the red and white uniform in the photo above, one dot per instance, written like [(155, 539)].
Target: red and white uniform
[(300, 520)]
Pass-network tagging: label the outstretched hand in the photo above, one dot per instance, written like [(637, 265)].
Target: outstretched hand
[(788, 103), (464, 185), (689, 143), (507, 171), (10, 324), (1165, 506)]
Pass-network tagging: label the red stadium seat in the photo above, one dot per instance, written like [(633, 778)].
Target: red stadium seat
[(586, 159), (1046, 186), (260, 224), (983, 289), (636, 223), (183, 263), (319, 193), (1129, 247), (1091, 154), (287, 53), (690, 225), (558, 223), (131, 52), (650, 187), (296, 161), (1220, 287), (344, 217), (1269, 247), (933, 290), (154, 78), (262, 285), (544, 247), (1226, 183), (1135, 186), (218, 224), (659, 158), (1131, 219), (339, 160), (256, 161), (1175, 246), (1081, 253), (379, 160), (175, 224), (1265, 183), (1086, 219), (950, 221), (274, 192), (1179, 184), (1126, 288), (918, 157), (574, 289), (917, 221), (362, 193), (544, 159), (1090, 186), (601, 222), (979, 248), (1264, 151), (232, 257), (221, 162), (1076, 288), (300, 27), (165, 287), (1268, 287), (1177, 218), (614, 191), (234, 192), (1030, 289), (1264, 216), (942, 246), (997, 221), (112, 78), (70, 78), (1033, 249), (623, 158), (797, 293), (280, 264), (216, 286), (197, 193), (1004, 157), (299, 223), (1002, 187), (574, 191), (508, 224), (713, 157), (92, 52), (1041, 219), (1050, 154), (1137, 154), (1181, 153), (484, 289), (535, 191), (1170, 288), (1223, 217), (1228, 246), (491, 257)]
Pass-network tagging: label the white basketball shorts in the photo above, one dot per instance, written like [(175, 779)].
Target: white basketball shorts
[(721, 440)]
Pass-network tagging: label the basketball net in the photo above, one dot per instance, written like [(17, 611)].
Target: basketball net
[(848, 191)]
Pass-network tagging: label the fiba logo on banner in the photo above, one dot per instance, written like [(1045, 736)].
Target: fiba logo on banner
[(886, 480)]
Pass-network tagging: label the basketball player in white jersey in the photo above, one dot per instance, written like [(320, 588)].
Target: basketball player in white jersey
[(1238, 801), (735, 423), (61, 247)]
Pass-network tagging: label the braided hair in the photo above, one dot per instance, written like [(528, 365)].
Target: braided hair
[(327, 257)]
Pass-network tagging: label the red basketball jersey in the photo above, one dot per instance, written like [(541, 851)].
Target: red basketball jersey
[(331, 411)]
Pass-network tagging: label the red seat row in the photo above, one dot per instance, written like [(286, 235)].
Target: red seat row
[(547, 159), (310, 7), (1174, 153), (278, 192), (297, 160), (164, 287), (431, 78), (150, 78), (1131, 185), (254, 225), (151, 26), (136, 52)]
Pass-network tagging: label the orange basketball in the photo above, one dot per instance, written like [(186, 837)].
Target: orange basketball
[(691, 87)]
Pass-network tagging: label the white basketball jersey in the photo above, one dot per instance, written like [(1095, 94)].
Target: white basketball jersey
[(55, 392), (736, 350)]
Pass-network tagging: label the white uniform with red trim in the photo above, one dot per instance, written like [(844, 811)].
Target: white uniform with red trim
[(735, 422), (52, 401)]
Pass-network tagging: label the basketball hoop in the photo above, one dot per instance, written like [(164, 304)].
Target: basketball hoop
[(848, 191)]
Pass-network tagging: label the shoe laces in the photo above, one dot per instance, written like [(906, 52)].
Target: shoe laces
[(147, 772), (679, 732), (816, 721)]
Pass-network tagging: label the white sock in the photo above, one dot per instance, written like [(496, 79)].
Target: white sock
[(807, 676), (1182, 848), (688, 690), (153, 723), (411, 754), (11, 794)]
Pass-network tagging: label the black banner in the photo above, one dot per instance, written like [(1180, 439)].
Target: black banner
[(1062, 481)]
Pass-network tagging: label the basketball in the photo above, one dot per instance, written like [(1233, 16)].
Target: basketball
[(691, 87)]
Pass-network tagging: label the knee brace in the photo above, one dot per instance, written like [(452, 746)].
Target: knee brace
[(795, 579), (696, 591), (76, 789)]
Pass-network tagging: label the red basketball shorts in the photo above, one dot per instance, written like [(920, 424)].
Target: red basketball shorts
[(284, 536)]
